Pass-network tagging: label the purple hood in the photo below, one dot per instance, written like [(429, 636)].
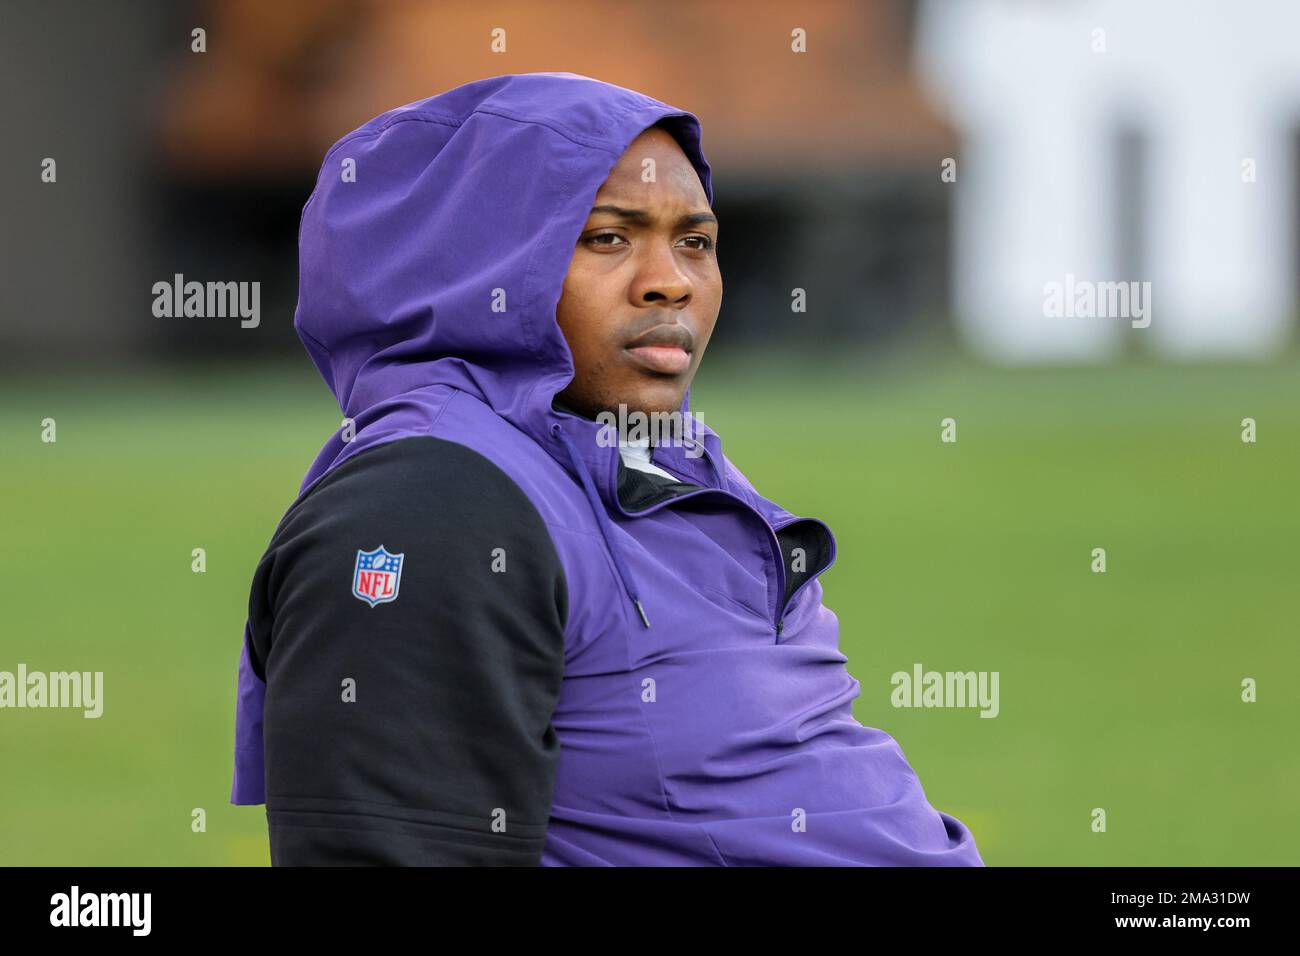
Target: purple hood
[(432, 254)]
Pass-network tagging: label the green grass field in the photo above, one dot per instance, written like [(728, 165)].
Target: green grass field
[(1118, 690)]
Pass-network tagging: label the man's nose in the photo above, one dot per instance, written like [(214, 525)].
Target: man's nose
[(659, 279)]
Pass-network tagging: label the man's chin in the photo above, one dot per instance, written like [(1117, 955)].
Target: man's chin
[(659, 398), (654, 402)]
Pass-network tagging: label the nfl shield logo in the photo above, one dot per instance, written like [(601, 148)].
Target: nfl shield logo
[(376, 576)]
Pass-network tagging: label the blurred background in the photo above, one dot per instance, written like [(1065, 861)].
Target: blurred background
[(924, 170)]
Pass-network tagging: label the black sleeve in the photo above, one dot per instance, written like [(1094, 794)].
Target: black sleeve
[(410, 725)]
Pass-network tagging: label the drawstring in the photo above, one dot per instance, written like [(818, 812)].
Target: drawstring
[(602, 519)]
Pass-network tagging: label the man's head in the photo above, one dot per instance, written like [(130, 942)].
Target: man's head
[(643, 288)]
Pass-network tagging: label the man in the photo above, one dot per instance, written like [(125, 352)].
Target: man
[(489, 632)]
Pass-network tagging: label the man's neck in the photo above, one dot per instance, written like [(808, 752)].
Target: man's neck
[(559, 406)]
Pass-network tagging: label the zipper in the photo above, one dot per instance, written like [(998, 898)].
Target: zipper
[(776, 548), (812, 577), (781, 603), (774, 543)]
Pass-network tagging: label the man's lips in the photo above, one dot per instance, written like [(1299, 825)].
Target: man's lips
[(665, 349), (664, 359)]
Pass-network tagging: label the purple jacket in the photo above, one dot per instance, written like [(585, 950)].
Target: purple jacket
[(749, 753)]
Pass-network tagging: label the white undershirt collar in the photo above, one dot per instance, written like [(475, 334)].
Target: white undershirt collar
[(636, 454)]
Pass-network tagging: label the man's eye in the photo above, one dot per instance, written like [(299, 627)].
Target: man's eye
[(596, 239), (705, 242)]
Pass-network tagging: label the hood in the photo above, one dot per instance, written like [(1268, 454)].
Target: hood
[(433, 252), (434, 247)]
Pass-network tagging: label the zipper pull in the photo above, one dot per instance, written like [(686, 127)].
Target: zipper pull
[(780, 626)]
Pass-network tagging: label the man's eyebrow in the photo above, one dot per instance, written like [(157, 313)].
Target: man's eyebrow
[(643, 218)]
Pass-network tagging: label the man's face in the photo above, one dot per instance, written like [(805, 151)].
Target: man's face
[(643, 289)]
